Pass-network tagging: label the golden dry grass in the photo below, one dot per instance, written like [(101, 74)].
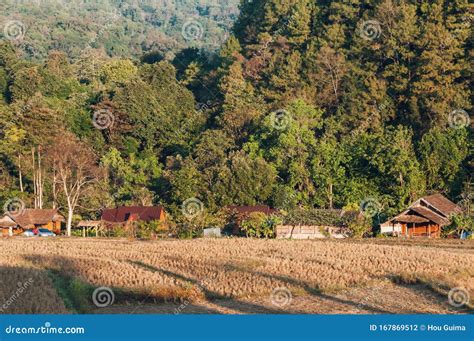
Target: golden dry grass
[(240, 269)]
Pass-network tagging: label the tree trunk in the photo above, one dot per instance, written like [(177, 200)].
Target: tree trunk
[(40, 180), (330, 195), (400, 178), (20, 175), (35, 192), (70, 213), (54, 186)]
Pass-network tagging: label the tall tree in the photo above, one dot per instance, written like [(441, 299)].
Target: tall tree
[(328, 168), (76, 170)]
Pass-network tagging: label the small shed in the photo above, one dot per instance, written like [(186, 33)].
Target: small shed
[(214, 232), (89, 226), (8, 226)]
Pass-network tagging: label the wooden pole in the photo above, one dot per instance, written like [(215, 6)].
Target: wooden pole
[(34, 176), (54, 185), (40, 180)]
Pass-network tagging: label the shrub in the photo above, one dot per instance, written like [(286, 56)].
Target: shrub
[(187, 228), (460, 223), (259, 225), (150, 230), (360, 227), (141, 230)]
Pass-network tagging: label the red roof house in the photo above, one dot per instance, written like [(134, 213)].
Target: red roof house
[(125, 214)]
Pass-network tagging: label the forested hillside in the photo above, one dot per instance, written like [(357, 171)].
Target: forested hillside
[(123, 28), (309, 104)]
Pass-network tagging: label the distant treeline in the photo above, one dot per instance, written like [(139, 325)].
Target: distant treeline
[(122, 28)]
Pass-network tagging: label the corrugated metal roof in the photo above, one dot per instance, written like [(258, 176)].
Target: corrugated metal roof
[(123, 213)]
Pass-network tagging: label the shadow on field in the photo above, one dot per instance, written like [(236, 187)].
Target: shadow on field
[(312, 291), (216, 298), (25, 290), (77, 293), (70, 287), (420, 288), (428, 289)]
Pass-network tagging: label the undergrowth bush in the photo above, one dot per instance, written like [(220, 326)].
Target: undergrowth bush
[(259, 225)]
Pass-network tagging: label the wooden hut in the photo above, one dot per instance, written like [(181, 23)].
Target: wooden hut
[(8, 226), (30, 218), (424, 218), (90, 226)]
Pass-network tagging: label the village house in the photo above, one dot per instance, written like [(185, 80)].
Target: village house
[(124, 215), (424, 218), (28, 219), (318, 224)]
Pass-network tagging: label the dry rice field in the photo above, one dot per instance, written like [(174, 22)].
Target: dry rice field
[(235, 276)]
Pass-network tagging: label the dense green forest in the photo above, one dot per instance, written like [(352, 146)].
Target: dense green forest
[(327, 104), (122, 28)]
